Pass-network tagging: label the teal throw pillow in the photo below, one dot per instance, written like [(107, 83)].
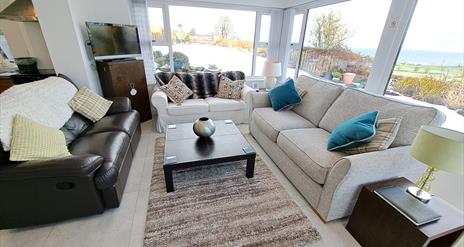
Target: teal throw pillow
[(354, 132), (284, 95)]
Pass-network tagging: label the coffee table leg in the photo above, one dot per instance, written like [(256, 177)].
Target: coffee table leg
[(168, 179), (250, 168)]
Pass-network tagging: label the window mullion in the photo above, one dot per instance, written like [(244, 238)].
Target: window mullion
[(255, 42)]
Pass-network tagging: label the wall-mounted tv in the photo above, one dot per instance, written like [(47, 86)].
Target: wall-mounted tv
[(110, 41)]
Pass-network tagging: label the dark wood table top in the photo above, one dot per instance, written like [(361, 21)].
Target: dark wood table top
[(451, 220), (186, 147)]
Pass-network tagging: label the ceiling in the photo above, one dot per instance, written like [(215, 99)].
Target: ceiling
[(282, 4)]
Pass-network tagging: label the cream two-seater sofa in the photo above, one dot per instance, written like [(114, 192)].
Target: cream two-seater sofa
[(199, 105), (296, 141)]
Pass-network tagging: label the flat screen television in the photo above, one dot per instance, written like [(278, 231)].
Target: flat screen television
[(111, 41)]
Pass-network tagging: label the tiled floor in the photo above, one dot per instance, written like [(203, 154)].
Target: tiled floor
[(125, 226)]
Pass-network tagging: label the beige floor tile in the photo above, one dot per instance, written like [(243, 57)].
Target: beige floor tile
[(138, 224), (30, 237), (112, 229)]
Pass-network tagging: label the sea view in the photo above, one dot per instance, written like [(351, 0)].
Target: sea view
[(422, 57)]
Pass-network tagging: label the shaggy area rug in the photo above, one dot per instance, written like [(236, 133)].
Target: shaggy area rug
[(218, 206)]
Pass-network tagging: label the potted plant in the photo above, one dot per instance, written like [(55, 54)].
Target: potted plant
[(336, 75), (348, 78), (27, 65), (327, 75)]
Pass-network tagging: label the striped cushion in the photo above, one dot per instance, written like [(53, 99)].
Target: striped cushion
[(33, 141), (202, 84), (89, 104), (384, 137)]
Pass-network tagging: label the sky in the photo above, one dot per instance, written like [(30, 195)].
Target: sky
[(437, 25)]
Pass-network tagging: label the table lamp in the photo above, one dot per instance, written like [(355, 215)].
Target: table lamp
[(440, 149), (271, 70)]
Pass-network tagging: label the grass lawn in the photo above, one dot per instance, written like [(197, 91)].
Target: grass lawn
[(453, 73)]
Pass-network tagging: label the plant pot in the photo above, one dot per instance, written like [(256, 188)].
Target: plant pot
[(348, 78), (327, 75), (204, 127), (27, 65)]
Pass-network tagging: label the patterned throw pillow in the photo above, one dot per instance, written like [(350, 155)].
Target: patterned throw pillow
[(229, 89), (384, 137), (90, 104), (33, 141), (176, 90), (301, 93)]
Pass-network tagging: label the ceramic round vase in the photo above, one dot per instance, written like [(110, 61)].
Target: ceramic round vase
[(204, 127)]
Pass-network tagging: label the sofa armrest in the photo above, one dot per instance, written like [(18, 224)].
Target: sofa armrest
[(349, 174), (159, 100), (247, 92), (260, 100), (70, 166), (120, 104)]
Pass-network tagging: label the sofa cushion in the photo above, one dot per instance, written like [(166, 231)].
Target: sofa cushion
[(203, 85), (220, 104), (176, 90), (353, 102), (34, 141), (75, 126), (307, 148), (126, 122), (272, 122), (353, 133), (284, 96), (90, 104), (112, 146), (319, 97), (190, 106)]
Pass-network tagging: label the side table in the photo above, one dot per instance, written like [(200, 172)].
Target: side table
[(374, 222)]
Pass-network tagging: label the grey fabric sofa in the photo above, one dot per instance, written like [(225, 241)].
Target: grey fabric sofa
[(296, 141)]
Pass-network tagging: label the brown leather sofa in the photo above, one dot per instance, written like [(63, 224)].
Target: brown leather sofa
[(86, 183)]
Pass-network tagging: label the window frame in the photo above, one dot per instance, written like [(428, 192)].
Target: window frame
[(259, 12), (394, 31)]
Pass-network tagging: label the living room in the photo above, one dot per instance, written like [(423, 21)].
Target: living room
[(231, 123)]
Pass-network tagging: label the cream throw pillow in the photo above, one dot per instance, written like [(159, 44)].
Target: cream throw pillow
[(176, 90), (229, 89), (90, 104), (33, 141), (385, 135)]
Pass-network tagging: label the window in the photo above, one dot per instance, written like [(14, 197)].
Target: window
[(205, 39), (5, 53), (295, 45), (429, 67), (261, 45), (341, 40), (156, 24)]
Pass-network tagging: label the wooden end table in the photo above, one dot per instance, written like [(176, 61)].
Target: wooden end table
[(374, 222)]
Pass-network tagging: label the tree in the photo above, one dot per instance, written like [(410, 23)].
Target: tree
[(329, 32), (224, 27)]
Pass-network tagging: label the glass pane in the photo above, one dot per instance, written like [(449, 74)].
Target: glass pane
[(429, 68), (293, 60), (161, 56), (341, 40), (265, 28), (156, 23), (212, 39), (261, 55), (296, 30)]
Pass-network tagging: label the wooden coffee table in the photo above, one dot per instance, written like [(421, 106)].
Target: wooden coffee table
[(184, 149)]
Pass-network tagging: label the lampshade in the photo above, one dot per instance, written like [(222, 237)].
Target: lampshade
[(272, 68), (439, 148)]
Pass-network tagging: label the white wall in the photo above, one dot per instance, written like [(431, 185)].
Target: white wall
[(25, 39), (63, 26)]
